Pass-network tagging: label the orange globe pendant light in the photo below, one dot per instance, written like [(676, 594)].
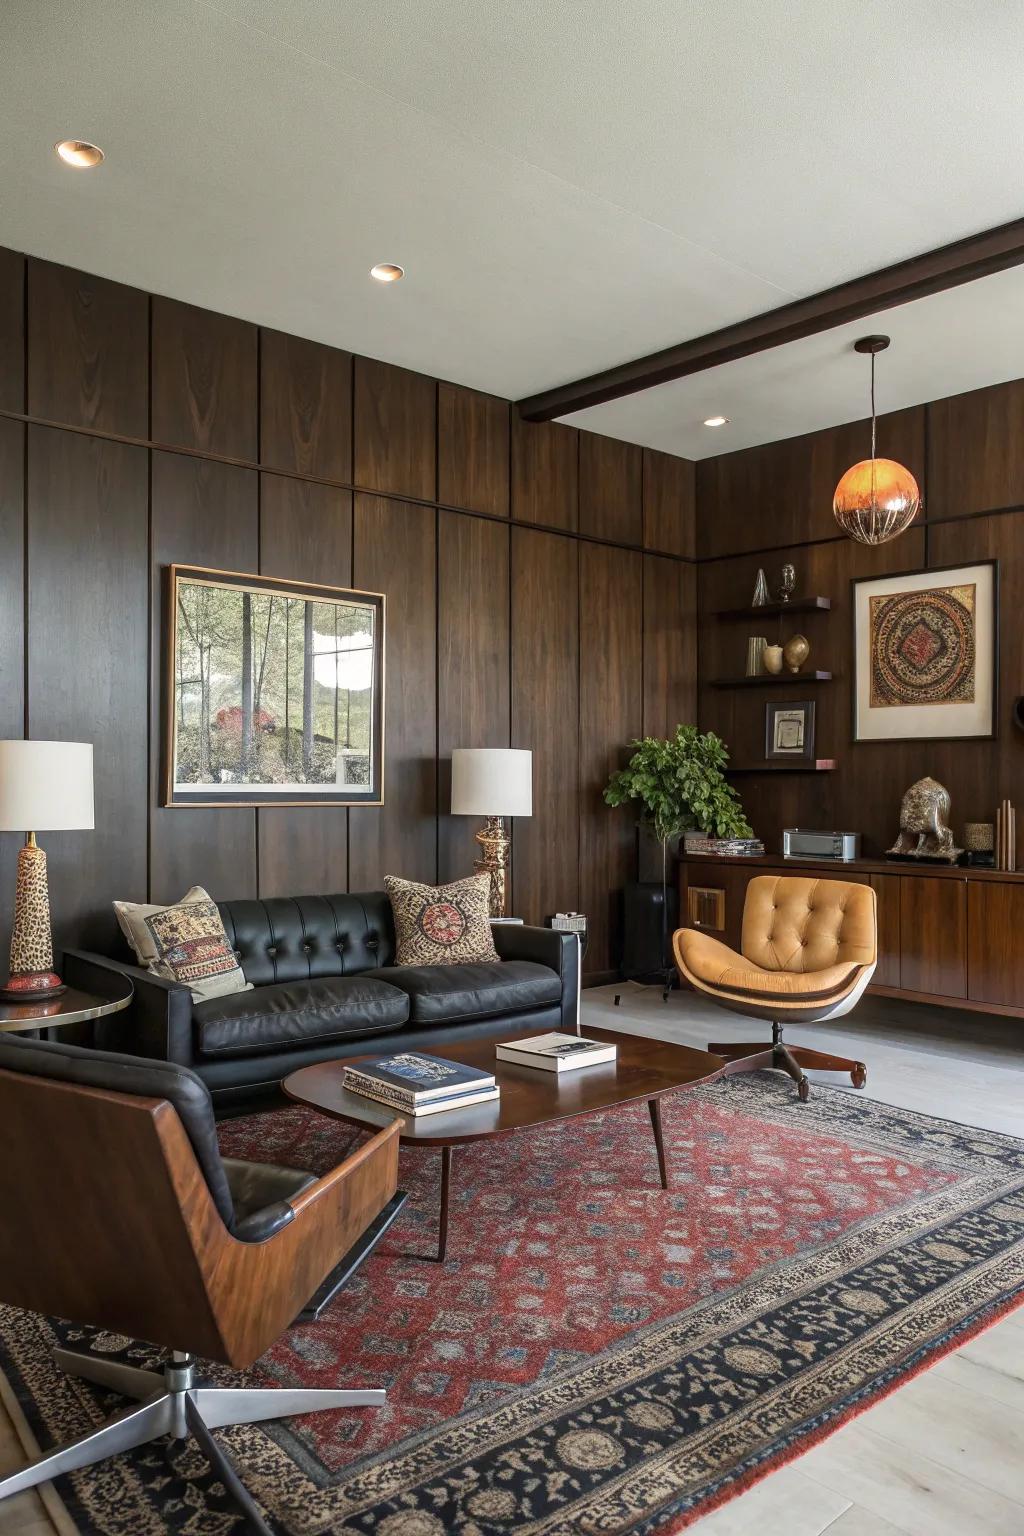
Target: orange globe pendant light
[(876, 499)]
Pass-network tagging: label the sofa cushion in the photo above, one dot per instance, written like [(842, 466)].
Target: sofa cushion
[(185, 942), (442, 924), (297, 1013), (440, 994), (299, 938)]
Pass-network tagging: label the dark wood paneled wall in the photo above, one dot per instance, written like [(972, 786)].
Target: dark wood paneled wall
[(766, 505), (86, 646), (540, 587)]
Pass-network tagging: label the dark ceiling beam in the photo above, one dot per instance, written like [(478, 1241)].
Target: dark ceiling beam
[(962, 262)]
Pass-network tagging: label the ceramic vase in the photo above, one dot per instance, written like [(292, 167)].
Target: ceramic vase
[(755, 654), (773, 659), (796, 651)]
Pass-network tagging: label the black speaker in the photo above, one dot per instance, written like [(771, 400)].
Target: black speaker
[(648, 930)]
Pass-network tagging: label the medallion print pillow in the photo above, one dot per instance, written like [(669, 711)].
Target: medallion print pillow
[(185, 942), (441, 924)]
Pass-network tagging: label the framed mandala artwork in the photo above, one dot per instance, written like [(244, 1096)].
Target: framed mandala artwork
[(925, 648)]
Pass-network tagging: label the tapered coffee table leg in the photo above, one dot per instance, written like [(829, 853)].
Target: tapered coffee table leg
[(446, 1178), (654, 1105)]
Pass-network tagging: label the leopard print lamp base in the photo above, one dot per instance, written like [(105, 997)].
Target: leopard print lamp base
[(32, 974)]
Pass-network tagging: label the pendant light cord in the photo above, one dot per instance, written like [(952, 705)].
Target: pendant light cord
[(873, 455)]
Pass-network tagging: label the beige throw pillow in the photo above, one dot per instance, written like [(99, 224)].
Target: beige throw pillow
[(185, 942), (441, 924)]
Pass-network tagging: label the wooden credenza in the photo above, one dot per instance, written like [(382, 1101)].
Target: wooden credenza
[(954, 937)]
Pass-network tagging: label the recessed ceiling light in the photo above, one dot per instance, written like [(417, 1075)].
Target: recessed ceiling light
[(387, 272), (79, 153), (716, 421)]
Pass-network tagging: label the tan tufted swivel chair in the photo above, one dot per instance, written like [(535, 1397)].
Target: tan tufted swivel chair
[(809, 950)]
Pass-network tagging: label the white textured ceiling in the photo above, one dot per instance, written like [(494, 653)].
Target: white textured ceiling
[(567, 184), (954, 341)]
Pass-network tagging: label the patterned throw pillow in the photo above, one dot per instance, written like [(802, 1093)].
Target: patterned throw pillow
[(442, 924), (185, 943)]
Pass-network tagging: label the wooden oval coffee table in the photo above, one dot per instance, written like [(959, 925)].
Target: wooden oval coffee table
[(644, 1069)]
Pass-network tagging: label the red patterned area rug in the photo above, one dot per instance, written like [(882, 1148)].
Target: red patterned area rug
[(596, 1356)]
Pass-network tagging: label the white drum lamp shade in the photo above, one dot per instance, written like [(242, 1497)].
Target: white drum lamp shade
[(492, 781), (46, 786)]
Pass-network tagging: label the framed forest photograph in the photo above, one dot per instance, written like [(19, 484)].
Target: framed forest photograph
[(274, 691), (926, 654)]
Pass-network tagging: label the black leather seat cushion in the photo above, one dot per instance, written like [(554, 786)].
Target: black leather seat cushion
[(440, 994), (297, 1013), (261, 1192)]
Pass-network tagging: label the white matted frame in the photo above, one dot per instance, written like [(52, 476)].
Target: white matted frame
[(340, 771), (933, 721)]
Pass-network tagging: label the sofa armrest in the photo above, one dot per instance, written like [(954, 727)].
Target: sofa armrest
[(158, 1023), (559, 951)]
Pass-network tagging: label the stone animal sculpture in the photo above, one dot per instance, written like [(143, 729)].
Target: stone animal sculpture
[(924, 825)]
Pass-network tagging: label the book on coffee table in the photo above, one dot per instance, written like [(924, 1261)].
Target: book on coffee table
[(556, 1053), (418, 1084), (432, 1107)]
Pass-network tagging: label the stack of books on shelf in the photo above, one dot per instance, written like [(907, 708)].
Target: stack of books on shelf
[(556, 1053), (724, 847), (416, 1084)]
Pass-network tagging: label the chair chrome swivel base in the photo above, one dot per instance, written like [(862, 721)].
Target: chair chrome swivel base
[(174, 1403), (791, 1059)]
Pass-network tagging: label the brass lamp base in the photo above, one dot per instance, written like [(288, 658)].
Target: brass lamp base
[(495, 843), (32, 975)]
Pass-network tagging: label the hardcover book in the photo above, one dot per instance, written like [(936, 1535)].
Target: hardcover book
[(387, 1099), (556, 1053), (416, 1078)]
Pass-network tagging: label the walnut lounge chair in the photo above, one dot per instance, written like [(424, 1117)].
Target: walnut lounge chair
[(809, 951), (119, 1211)]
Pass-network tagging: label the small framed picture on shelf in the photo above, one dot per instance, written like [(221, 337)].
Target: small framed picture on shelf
[(788, 730)]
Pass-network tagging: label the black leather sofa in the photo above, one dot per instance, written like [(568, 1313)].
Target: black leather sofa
[(325, 985)]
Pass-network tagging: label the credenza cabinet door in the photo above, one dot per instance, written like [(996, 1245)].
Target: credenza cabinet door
[(995, 943), (887, 894), (933, 935)]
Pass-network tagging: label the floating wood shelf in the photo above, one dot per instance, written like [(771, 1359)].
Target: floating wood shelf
[(795, 605), (768, 678), (801, 765)]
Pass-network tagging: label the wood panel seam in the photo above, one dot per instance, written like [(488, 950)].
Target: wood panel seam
[(206, 455)]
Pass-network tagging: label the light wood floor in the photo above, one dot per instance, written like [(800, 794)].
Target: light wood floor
[(944, 1456)]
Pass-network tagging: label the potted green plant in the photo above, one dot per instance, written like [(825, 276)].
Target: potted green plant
[(678, 785)]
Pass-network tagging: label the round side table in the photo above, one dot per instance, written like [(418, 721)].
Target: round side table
[(71, 1007)]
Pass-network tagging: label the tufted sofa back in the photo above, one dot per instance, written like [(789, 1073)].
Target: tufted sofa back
[(293, 938), (793, 923)]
